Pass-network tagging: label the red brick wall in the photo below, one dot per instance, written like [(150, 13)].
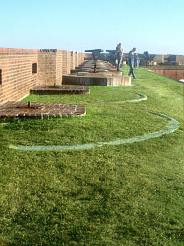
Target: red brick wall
[(73, 54), (59, 68), (171, 73), (66, 59), (16, 66), (179, 74), (47, 68), (50, 68), (17, 77), (80, 58)]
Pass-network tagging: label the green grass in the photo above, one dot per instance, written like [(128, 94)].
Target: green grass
[(114, 195)]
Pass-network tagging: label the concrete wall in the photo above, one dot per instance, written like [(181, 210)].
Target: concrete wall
[(17, 75)]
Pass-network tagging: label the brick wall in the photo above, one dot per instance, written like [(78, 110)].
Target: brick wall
[(46, 68), (59, 68), (66, 60), (176, 74), (50, 67), (81, 57), (73, 65), (18, 77)]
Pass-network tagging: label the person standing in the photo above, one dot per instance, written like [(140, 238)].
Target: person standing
[(119, 55), (136, 60), (131, 62)]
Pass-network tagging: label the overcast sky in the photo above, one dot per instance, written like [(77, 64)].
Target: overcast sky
[(150, 25)]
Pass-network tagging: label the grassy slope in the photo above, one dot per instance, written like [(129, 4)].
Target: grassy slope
[(115, 195)]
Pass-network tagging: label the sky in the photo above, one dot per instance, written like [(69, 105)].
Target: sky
[(155, 26)]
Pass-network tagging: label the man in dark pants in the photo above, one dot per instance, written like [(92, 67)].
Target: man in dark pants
[(131, 62)]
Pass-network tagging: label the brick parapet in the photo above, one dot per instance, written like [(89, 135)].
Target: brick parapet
[(17, 77), (18, 51), (46, 68), (66, 60), (73, 65), (16, 67), (176, 74)]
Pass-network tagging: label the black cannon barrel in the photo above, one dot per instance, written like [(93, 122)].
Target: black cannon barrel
[(95, 50), (111, 51)]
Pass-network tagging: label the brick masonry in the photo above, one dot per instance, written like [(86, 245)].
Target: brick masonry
[(40, 110), (18, 77), (73, 65), (173, 73), (47, 68), (64, 89), (66, 61)]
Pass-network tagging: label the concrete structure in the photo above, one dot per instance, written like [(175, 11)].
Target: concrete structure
[(180, 60), (167, 59), (105, 75), (100, 79), (23, 69), (158, 59)]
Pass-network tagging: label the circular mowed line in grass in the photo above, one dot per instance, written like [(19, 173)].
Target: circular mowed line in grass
[(90, 132), (97, 95)]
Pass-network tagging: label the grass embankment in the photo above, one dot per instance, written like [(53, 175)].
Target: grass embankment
[(113, 195)]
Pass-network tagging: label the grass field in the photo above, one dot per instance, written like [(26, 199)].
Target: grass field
[(113, 195)]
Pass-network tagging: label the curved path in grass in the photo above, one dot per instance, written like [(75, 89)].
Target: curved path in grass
[(142, 97), (171, 126)]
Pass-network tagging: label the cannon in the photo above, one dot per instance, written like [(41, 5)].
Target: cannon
[(95, 55), (111, 51), (94, 51), (111, 56)]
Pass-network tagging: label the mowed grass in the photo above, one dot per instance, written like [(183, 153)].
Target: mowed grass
[(113, 195), (108, 117)]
